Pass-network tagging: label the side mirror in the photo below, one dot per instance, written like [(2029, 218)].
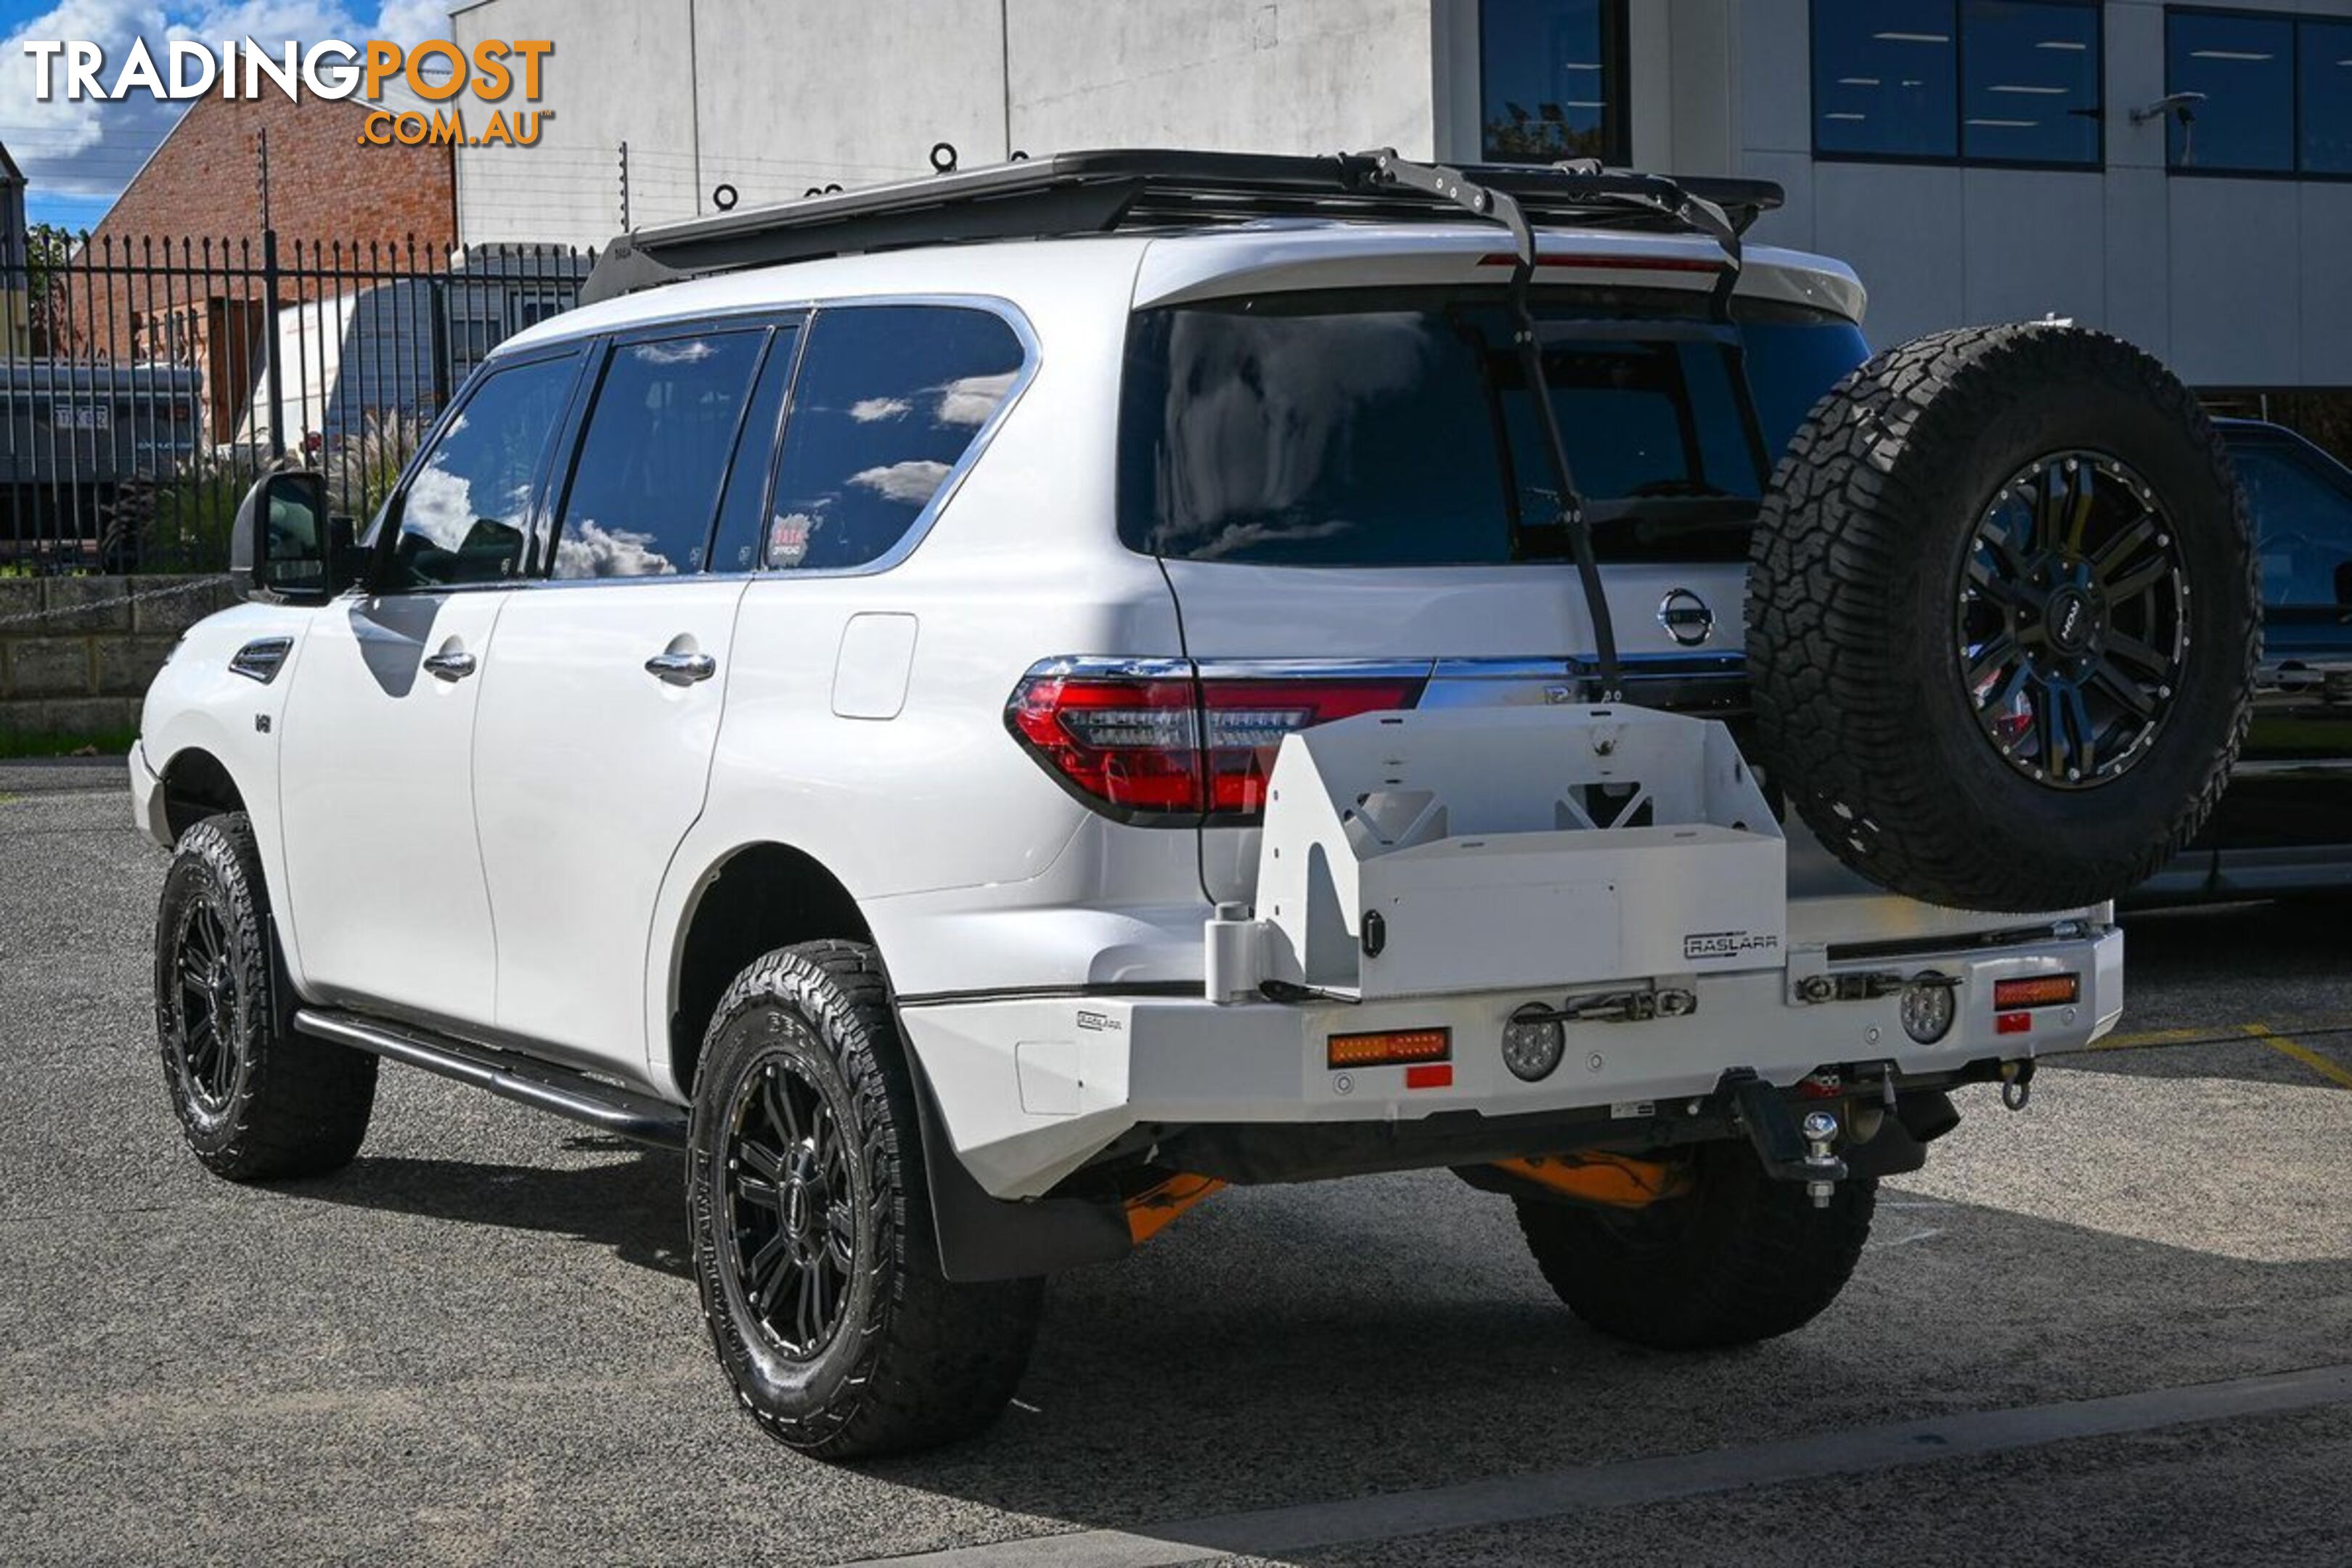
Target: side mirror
[(283, 547), (2344, 584)]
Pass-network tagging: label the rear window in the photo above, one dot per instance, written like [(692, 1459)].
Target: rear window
[(1394, 428)]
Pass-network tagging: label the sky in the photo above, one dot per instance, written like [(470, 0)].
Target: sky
[(77, 157)]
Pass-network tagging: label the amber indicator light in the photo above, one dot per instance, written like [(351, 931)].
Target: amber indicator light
[(2041, 991), (1388, 1049)]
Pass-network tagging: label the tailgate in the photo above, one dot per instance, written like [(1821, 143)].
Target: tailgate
[(1490, 637)]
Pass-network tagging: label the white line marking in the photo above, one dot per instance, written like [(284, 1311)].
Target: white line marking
[(1516, 1499), (1929, 1235)]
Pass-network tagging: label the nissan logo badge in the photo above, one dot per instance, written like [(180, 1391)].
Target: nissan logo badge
[(1686, 618)]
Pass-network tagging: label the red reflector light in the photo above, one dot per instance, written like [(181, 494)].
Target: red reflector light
[(1438, 1077), (1390, 1047), (2013, 1024), (1168, 748), (2040, 990)]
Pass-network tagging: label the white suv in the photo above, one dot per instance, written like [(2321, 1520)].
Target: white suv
[(988, 709)]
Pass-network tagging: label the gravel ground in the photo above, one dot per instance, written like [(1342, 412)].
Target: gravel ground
[(478, 1342)]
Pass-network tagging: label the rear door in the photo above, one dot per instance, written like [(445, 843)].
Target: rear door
[(605, 685)]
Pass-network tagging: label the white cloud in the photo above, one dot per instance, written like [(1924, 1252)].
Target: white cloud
[(91, 149), (440, 506), (590, 549), (872, 410), (678, 351), (914, 482), (971, 400)]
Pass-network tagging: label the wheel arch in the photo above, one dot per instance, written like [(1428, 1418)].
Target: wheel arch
[(195, 783), (753, 899)]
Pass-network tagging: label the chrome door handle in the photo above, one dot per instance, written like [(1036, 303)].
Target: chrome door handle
[(681, 668), (455, 665)]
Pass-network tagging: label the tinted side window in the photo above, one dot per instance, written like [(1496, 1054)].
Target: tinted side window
[(744, 506), (655, 454), (2303, 528), (466, 516), (888, 399)]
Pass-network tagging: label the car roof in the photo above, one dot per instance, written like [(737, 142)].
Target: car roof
[(1150, 267)]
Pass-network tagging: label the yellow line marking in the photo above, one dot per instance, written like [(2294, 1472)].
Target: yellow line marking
[(2214, 1034), (2147, 1037), (2332, 1072)]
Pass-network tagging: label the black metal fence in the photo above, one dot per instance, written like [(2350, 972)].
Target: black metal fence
[(145, 384)]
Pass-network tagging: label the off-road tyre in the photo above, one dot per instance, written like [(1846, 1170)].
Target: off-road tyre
[(908, 1358), (1741, 1257), (255, 1104), (1871, 541)]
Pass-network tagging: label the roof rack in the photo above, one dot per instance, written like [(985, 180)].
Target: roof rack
[(1104, 191)]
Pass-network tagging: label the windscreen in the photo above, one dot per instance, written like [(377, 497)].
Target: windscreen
[(1395, 429)]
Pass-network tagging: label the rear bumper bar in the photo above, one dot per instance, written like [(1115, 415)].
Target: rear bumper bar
[(1032, 1088)]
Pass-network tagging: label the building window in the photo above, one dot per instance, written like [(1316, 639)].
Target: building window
[(2004, 82), (2326, 98), (2243, 67), (2276, 94), (1552, 81)]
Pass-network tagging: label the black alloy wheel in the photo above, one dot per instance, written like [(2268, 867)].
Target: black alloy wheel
[(792, 1216), (203, 1017), (2072, 623)]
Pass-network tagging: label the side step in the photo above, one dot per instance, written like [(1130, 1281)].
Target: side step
[(543, 1085)]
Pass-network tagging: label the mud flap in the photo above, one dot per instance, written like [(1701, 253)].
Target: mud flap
[(984, 1237)]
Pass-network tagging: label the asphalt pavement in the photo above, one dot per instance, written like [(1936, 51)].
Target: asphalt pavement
[(2113, 1327)]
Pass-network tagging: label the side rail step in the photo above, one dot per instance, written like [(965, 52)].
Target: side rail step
[(528, 1082)]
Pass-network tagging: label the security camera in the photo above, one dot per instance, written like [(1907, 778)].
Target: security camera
[(2180, 105)]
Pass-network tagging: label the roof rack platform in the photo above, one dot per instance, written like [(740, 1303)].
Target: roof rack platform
[(1104, 192)]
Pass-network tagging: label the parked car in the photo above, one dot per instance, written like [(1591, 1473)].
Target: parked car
[(75, 441), (987, 709), (2285, 825)]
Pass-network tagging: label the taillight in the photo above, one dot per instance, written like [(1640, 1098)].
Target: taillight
[(1129, 737)]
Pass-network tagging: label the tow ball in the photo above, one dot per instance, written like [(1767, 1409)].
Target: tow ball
[(1821, 1131), (1793, 1150)]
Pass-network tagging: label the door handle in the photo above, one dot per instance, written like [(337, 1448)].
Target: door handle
[(681, 668), (454, 664)]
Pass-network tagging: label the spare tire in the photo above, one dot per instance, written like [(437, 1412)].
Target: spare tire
[(2003, 618)]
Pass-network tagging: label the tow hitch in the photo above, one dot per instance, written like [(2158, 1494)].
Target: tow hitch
[(1793, 1150)]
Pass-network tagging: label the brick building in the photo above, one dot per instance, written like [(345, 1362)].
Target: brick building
[(197, 208)]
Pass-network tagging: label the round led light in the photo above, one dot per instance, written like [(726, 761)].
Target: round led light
[(1533, 1043), (1928, 1008)]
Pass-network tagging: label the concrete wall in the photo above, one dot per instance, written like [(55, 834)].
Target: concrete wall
[(775, 96), (1261, 75), (82, 668), (2237, 282)]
